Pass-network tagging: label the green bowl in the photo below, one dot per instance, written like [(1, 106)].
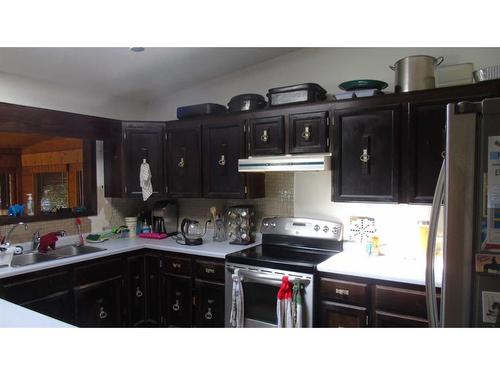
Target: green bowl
[(363, 84)]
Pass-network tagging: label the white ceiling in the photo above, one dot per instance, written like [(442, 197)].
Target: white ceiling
[(143, 76)]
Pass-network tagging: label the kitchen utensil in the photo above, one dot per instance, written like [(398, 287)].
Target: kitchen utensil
[(415, 72), (213, 212), (485, 74), (241, 224), (193, 231), (361, 84), (454, 75), (303, 93), (219, 230), (199, 110), (246, 102)]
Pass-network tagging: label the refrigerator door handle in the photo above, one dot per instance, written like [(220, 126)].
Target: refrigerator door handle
[(430, 283)]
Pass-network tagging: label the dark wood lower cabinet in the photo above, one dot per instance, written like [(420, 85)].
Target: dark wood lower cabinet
[(338, 315), (99, 304), (178, 297), (209, 304), (390, 320), (57, 306)]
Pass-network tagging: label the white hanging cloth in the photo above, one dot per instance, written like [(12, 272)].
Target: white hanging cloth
[(297, 305), (145, 180), (284, 305), (237, 318)]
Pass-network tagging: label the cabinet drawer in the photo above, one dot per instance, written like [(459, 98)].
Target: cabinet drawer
[(338, 290), (177, 265), (22, 289), (209, 270), (98, 270), (401, 301)]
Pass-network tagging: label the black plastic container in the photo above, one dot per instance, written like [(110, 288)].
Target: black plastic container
[(246, 102), (200, 110), (303, 93)]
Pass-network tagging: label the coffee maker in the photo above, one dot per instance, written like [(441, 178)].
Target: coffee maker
[(165, 217), (241, 225)]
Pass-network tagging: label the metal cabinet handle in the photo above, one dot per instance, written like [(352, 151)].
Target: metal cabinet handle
[(138, 292), (443, 154), (208, 314), (103, 314), (176, 265), (209, 270), (364, 156), (176, 306), (181, 163), (342, 292), (306, 134), (264, 137), (222, 160)]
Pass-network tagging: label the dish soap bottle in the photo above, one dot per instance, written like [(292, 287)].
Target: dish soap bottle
[(29, 205), (45, 204)]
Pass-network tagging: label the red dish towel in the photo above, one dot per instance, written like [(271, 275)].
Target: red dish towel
[(47, 241)]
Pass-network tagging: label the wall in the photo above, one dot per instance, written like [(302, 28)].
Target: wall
[(397, 224), (23, 91)]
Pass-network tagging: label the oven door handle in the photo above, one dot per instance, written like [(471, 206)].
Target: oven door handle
[(268, 279)]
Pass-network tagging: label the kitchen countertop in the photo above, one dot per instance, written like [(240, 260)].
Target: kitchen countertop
[(209, 248), (355, 262), (15, 316)]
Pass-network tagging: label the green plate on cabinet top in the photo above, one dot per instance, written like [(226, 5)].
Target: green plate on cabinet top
[(363, 84)]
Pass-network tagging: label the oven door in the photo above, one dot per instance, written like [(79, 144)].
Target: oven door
[(260, 291)]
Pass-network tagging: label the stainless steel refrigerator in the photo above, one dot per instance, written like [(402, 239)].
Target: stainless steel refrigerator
[(467, 199)]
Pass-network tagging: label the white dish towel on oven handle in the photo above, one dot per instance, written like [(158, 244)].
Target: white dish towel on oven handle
[(237, 318), (297, 304)]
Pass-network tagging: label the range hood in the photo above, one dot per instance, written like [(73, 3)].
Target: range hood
[(286, 163)]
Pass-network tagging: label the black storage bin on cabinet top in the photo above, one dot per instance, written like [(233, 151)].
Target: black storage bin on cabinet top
[(303, 93), (246, 102), (199, 110)]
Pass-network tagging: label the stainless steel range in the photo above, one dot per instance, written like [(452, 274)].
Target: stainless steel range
[(290, 247)]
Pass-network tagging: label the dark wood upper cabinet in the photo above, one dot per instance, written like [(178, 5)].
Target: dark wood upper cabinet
[(143, 140), (183, 159), (366, 154), (266, 136), (308, 132), (223, 145)]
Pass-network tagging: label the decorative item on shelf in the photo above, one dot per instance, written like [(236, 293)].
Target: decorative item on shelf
[(361, 228), (360, 88), (246, 102), (303, 93)]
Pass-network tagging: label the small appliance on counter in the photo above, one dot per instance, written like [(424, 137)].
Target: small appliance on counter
[(192, 231), (165, 217), (241, 224)]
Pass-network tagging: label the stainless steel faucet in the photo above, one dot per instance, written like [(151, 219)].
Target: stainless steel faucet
[(7, 242), (36, 238)]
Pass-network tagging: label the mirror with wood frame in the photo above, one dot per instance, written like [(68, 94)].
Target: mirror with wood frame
[(58, 173)]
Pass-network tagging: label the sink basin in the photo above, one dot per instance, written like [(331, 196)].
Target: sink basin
[(73, 250), (61, 252), (30, 258)]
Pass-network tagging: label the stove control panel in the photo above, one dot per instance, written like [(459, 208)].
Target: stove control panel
[(302, 227)]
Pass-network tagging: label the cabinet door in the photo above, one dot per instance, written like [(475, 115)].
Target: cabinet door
[(57, 306), (267, 136), (209, 304), (178, 300), (184, 160), (99, 304), (143, 140), (336, 315), (223, 145), (308, 132), (366, 154), (136, 291), (427, 136), (153, 296), (389, 320)]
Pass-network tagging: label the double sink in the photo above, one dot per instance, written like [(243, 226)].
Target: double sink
[(27, 259)]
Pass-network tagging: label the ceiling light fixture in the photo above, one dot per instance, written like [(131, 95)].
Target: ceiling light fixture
[(137, 49)]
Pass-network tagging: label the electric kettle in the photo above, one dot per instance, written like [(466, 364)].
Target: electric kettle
[(193, 231)]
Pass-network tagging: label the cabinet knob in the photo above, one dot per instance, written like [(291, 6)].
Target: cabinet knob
[(176, 306), (222, 160), (138, 292), (208, 314), (306, 134), (264, 137), (443, 154), (103, 314), (181, 163), (364, 156)]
